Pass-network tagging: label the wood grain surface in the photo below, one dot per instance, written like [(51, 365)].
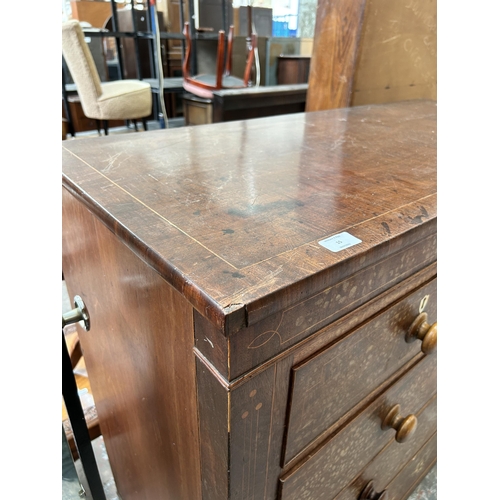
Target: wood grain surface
[(231, 355), (324, 472), (407, 480), (139, 358), (397, 52), (333, 62), (257, 403), (216, 348), (372, 52), (330, 383), (231, 214), (394, 457), (278, 332)]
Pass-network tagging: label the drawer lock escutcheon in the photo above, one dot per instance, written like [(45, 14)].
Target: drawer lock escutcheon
[(421, 330), (369, 493), (404, 426)]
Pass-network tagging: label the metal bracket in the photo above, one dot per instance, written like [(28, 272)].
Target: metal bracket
[(80, 313)]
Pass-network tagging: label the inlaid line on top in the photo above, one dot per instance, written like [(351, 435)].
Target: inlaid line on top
[(249, 266), (337, 231), (153, 211)]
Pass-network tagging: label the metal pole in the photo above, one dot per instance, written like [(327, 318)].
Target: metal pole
[(71, 128), (114, 23), (79, 426), (194, 62), (181, 2), (225, 27), (152, 56), (138, 65)]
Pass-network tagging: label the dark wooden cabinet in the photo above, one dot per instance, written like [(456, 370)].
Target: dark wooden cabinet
[(232, 354), (293, 69)]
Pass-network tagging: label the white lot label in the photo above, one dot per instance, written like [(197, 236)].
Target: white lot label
[(339, 242)]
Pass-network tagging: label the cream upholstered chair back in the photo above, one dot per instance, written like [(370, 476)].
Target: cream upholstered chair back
[(82, 67), (115, 100)]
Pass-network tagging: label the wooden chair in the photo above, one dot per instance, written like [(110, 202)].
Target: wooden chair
[(203, 85), (116, 100)]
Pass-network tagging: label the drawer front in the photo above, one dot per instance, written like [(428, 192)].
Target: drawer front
[(334, 464), (280, 331), (328, 385), (407, 480), (394, 457)]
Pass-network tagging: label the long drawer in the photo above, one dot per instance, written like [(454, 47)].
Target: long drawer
[(329, 384), (336, 462), (394, 457)]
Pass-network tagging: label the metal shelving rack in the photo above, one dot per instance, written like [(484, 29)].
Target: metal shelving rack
[(171, 84)]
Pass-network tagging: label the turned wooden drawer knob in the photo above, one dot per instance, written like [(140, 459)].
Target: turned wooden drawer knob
[(421, 330), (404, 426), (369, 493)]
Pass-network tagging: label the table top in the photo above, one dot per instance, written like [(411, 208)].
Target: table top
[(231, 214)]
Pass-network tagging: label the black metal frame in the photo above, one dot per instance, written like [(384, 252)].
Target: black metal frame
[(79, 426)]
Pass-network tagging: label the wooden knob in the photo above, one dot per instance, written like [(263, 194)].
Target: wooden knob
[(404, 426), (421, 330), (369, 493)]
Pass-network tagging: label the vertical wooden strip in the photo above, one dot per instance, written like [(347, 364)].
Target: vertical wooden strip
[(333, 62), (252, 413), (214, 434)]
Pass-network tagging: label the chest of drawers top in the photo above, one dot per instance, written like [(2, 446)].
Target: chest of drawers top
[(232, 214)]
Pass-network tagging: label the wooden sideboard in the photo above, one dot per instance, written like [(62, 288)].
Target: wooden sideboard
[(233, 353), (258, 102), (243, 104)]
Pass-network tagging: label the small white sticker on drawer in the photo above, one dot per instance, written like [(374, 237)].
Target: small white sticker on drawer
[(339, 242)]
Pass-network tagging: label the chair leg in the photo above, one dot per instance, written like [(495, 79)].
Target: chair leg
[(106, 125), (145, 123), (98, 123), (135, 125)]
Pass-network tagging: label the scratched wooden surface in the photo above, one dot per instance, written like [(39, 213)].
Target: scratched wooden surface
[(138, 354), (231, 214)]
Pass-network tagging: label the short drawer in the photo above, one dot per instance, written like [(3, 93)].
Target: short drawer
[(338, 461), (327, 385), (394, 457)]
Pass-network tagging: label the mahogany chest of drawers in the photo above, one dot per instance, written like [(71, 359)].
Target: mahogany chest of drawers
[(262, 297)]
